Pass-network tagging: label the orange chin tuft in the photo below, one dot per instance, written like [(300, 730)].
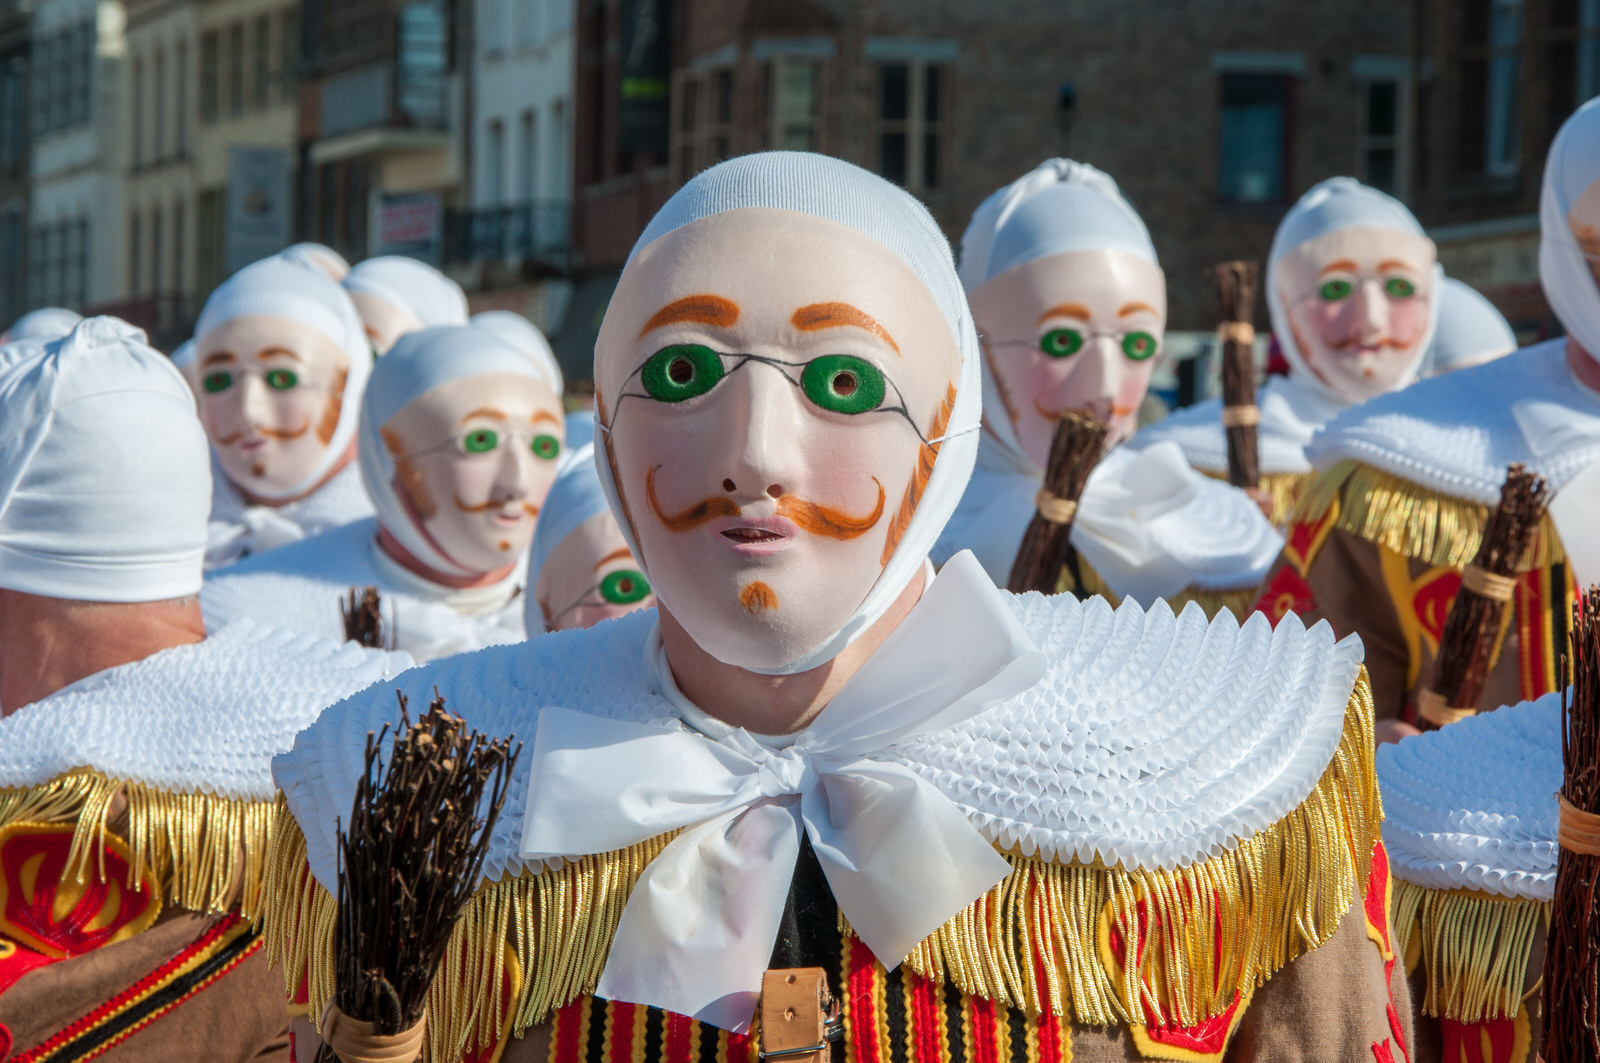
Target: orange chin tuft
[(504, 544), (258, 469), (757, 597)]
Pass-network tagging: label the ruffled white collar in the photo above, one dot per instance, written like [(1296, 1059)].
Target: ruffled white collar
[(1456, 433), (203, 718), (1473, 805), (1154, 740)]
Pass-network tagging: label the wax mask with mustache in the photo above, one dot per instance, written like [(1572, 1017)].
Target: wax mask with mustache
[(1360, 307), (271, 390), (469, 437), (1072, 331), (1569, 221), (774, 388)]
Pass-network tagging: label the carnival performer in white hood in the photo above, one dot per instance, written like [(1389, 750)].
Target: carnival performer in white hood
[(580, 569), (788, 388), (395, 295), (1353, 288), (460, 440), (1071, 306), (1406, 481), (319, 257), (1471, 331), (279, 364), (135, 793)]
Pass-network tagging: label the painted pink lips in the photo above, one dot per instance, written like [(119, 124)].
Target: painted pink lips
[(755, 536)]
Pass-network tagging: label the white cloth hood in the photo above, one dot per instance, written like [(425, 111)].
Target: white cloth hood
[(1471, 331), (105, 478), (319, 257), (418, 363), (518, 332), (44, 324), (279, 287), (820, 186), (432, 298), (1058, 206), (1339, 203), (1565, 272)]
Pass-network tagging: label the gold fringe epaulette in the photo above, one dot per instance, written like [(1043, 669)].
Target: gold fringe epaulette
[(205, 853), (1475, 948), (1283, 488), (1240, 602), (1037, 941), (1412, 520)]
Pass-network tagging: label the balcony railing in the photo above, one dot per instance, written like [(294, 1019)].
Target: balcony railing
[(533, 232)]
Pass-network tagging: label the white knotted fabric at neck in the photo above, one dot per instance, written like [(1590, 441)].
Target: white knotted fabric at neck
[(1331, 205), (1564, 271), (900, 857), (820, 186)]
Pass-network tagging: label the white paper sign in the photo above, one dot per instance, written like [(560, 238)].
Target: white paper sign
[(1576, 515)]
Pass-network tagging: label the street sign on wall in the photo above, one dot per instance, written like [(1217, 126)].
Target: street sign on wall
[(257, 221), (410, 224)]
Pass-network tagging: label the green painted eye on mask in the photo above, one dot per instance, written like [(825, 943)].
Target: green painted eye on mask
[(1061, 342), (1335, 290), (625, 586), (480, 441), (281, 379), (216, 383), (546, 447), (681, 372), (843, 383), (1139, 346), (1399, 288)]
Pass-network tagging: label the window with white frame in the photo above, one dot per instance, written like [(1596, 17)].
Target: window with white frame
[(528, 154), (794, 103), (1502, 139), (1588, 51), (911, 117), (494, 188), (1383, 134)]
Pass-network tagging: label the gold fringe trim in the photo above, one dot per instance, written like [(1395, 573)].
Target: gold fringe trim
[(1412, 520), (1240, 602), (1283, 488), (1225, 925), (205, 853), (1475, 948)]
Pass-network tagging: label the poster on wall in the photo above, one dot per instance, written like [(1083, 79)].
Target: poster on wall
[(411, 224), (257, 220), (642, 113)]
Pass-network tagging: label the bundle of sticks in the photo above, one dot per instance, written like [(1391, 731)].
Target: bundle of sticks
[(1236, 298), (1473, 629), (409, 860), (363, 618), (1046, 549), (1572, 951)]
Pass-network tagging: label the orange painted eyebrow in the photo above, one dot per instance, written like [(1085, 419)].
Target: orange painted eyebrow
[(840, 315), (1395, 263), (1134, 308), (1343, 264), (220, 356), (700, 309), (1077, 310), (544, 415), (615, 555), (484, 411), (271, 352)]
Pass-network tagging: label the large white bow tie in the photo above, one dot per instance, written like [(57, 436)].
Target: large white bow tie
[(899, 856)]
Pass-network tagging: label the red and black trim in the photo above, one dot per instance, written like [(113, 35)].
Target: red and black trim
[(226, 944)]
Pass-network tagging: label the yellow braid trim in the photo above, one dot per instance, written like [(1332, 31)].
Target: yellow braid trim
[(1412, 520), (1225, 925), (1475, 948), (204, 853)]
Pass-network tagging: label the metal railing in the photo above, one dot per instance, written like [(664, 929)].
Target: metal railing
[(523, 232)]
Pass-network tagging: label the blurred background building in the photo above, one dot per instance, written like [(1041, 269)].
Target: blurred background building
[(150, 147)]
